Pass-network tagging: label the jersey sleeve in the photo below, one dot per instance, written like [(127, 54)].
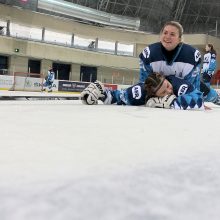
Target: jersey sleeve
[(188, 97), (145, 67), (134, 95), (193, 77), (192, 100), (212, 65)]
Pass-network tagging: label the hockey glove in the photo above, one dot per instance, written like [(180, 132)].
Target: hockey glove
[(161, 102), (92, 93)]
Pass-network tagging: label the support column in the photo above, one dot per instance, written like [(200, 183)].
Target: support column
[(8, 28), (116, 47), (43, 34), (72, 40)]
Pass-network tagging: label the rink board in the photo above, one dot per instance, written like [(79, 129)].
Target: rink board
[(8, 95)]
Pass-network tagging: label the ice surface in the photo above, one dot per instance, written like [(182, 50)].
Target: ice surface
[(62, 160)]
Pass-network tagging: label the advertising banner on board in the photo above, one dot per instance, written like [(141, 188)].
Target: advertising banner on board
[(68, 86)]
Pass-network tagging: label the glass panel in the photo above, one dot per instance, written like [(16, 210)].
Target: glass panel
[(18, 30), (58, 38), (125, 49), (106, 46), (83, 42)]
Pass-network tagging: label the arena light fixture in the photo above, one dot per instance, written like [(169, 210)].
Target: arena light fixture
[(89, 14)]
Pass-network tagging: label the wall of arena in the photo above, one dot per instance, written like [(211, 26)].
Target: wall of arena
[(111, 68)]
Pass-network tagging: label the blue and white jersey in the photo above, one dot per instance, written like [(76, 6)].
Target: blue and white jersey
[(49, 79), (187, 95), (208, 70), (184, 62), (50, 76), (209, 63)]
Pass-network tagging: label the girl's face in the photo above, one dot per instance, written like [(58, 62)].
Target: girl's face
[(207, 48), (170, 37), (165, 89)]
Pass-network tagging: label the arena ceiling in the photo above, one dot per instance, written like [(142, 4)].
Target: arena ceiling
[(196, 16)]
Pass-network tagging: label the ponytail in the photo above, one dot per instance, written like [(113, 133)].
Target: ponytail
[(212, 48)]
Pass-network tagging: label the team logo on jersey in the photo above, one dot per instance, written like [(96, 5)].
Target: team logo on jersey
[(146, 52), (197, 55), (213, 55), (136, 92), (206, 59), (182, 90)]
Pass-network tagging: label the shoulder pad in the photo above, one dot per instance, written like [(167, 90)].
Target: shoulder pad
[(146, 52), (213, 55), (197, 55)]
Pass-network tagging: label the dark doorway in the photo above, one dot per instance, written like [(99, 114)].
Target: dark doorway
[(62, 71), (34, 66), (3, 65), (88, 73)]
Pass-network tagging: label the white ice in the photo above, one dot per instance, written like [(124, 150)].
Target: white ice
[(62, 160)]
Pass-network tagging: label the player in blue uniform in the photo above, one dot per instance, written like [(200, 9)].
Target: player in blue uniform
[(49, 79), (209, 64), (171, 56), (157, 91), (208, 70)]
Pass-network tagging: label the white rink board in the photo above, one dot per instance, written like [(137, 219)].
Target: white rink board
[(24, 83)]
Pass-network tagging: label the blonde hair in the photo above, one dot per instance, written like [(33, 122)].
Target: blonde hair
[(175, 24)]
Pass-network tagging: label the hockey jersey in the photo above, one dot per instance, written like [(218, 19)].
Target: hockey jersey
[(50, 76), (183, 62), (187, 95), (209, 66)]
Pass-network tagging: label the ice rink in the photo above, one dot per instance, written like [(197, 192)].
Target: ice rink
[(62, 160)]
